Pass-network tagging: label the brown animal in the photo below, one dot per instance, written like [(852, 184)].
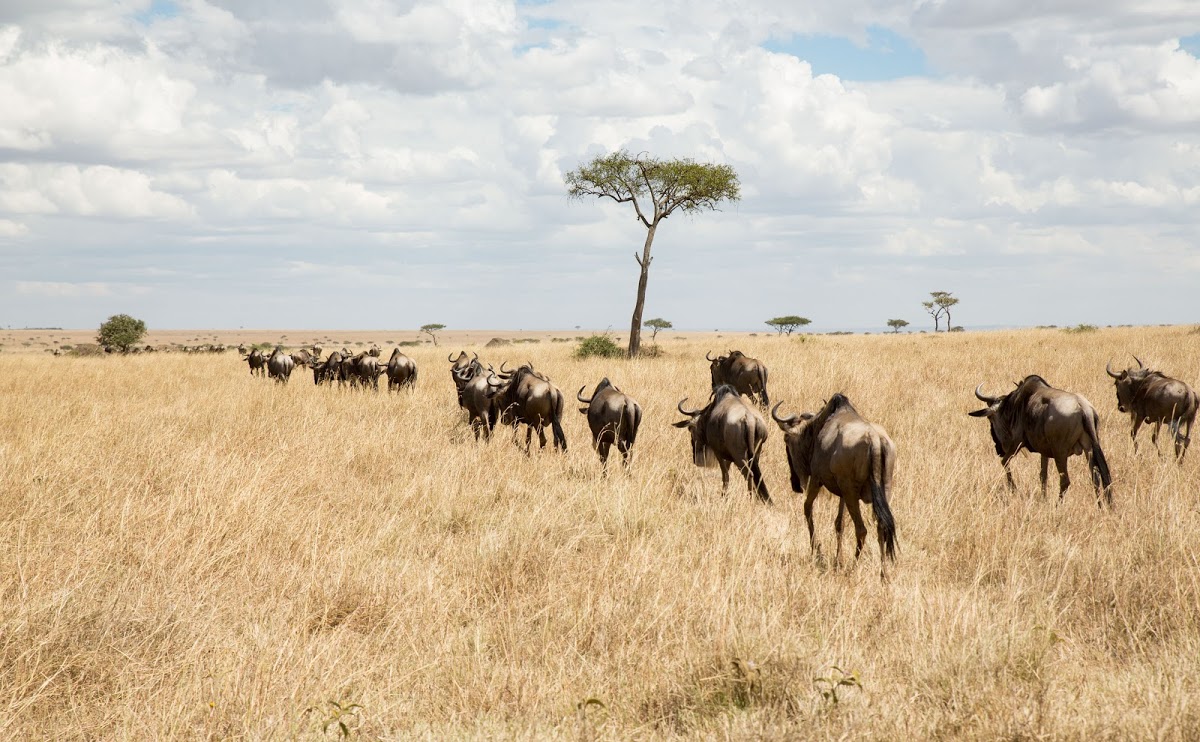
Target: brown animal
[(747, 375), (401, 371), (280, 365), (1150, 397), (852, 458), (257, 361), (481, 406), (363, 369), (1050, 422), (458, 372), (613, 417), (327, 370), (524, 396), (302, 357), (728, 431)]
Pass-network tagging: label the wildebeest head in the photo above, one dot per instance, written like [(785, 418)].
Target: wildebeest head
[(718, 367), (800, 425), (697, 425), (1000, 422), (1126, 383)]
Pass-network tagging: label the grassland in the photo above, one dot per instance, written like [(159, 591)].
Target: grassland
[(188, 552)]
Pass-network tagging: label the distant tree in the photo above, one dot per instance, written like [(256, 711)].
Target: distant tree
[(788, 324), (897, 324), (944, 300), (934, 311), (431, 330), (655, 325), (121, 332), (656, 188)]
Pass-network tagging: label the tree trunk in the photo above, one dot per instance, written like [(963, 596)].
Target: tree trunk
[(635, 327), (947, 320)]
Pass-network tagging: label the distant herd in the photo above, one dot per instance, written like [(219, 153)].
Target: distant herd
[(834, 448)]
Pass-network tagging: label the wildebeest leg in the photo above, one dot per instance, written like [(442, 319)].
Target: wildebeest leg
[(1045, 470), (1137, 425), (1097, 480), (1182, 440), (837, 529), (860, 528), (541, 435), (724, 475), (528, 438), (625, 450), (1064, 481), (602, 448), (1154, 435), (810, 496)]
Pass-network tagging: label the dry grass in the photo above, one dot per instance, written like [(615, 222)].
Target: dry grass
[(188, 552)]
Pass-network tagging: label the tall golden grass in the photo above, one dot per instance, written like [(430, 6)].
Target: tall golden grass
[(189, 552)]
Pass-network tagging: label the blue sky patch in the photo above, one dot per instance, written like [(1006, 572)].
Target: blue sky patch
[(886, 56), (1191, 44), (158, 10)]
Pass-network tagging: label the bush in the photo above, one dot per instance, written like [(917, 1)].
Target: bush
[(956, 328), (1080, 328), (87, 349), (598, 345), (121, 332)]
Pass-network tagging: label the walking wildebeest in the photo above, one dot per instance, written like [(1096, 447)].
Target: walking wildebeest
[(525, 396), (401, 371), (1050, 422), (614, 417), (745, 374), (731, 432), (302, 357), (363, 369), (280, 365), (327, 370), (852, 458), (257, 361), (1151, 397), (477, 400)]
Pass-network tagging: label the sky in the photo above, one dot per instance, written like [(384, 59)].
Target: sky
[(366, 164)]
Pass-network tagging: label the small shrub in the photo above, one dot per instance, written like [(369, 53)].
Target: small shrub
[(87, 349), (957, 328), (600, 346), (1080, 328)]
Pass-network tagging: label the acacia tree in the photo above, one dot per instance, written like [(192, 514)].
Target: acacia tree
[(656, 188), (897, 324), (431, 330), (788, 324), (935, 312), (655, 325), (944, 300)]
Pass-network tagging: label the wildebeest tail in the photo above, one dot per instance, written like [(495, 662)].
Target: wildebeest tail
[(762, 379), (884, 521), (560, 438), (1098, 460), (631, 417), (753, 466)]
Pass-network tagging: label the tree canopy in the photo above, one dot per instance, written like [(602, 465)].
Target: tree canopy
[(788, 324), (121, 332), (897, 324)]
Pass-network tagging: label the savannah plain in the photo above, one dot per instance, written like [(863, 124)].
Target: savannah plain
[(188, 552)]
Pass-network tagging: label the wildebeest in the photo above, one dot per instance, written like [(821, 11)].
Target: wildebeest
[(302, 357), (280, 365), (1050, 422), (525, 396), (458, 371), (257, 361), (731, 432), (1150, 397), (477, 399), (745, 374), (852, 458), (613, 417), (327, 370), (401, 371), (362, 369)]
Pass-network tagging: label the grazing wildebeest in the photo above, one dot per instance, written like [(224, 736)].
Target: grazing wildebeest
[(614, 417), (525, 396), (852, 458), (731, 432), (280, 365), (745, 374), (1150, 397), (327, 370), (1050, 422), (257, 361), (401, 371), (362, 369), (302, 357), (458, 371)]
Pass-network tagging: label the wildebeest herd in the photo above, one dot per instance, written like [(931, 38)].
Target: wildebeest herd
[(834, 448)]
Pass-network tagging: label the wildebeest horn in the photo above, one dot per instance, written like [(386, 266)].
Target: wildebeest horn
[(1138, 360), (781, 420), (579, 396), (982, 398), (691, 413), (476, 358), (450, 358), (1108, 370), (489, 382), (708, 356), (503, 370)]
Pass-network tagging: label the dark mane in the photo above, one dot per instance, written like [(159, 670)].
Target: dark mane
[(808, 436)]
